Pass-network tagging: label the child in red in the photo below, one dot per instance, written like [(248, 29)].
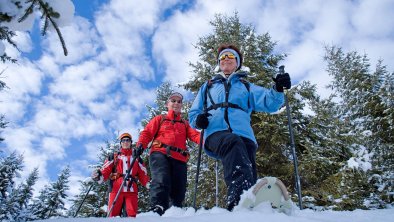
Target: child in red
[(115, 169)]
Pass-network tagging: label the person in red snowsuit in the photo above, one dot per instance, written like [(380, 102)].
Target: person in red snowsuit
[(114, 169), (168, 155)]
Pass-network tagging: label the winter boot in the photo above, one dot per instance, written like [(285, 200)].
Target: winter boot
[(158, 209)]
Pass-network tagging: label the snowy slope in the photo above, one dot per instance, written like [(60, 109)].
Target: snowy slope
[(263, 213)]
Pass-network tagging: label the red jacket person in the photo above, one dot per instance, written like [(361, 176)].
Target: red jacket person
[(114, 169), (168, 155)]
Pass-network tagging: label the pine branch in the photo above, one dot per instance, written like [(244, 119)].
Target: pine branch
[(48, 12), (28, 11)]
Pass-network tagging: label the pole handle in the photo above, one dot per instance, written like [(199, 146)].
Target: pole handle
[(282, 69)]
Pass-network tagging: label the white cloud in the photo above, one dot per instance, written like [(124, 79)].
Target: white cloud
[(66, 10), (81, 39), (23, 80), (84, 82), (372, 19), (92, 151), (173, 43), (53, 147), (23, 41)]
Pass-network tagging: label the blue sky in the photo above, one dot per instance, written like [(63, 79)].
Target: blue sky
[(61, 109)]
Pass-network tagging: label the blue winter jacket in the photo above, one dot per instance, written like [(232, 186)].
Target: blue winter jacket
[(260, 99)]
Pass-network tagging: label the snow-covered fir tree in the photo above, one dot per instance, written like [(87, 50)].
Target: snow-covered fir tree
[(366, 103), (51, 201), (21, 196), (10, 167), (3, 122)]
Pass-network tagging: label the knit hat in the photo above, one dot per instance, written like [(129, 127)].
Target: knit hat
[(175, 94), (234, 53)]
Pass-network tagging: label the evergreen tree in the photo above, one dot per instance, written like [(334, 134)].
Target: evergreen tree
[(50, 203), (367, 105), (9, 169), (3, 123), (10, 166), (21, 196)]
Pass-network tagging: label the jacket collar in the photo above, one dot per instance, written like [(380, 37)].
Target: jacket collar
[(234, 75), (126, 152), (173, 115)]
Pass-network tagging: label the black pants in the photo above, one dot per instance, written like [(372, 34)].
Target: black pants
[(169, 178), (238, 156)]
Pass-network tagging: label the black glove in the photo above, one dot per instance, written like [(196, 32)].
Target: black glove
[(282, 81), (96, 175), (202, 120), (138, 150)]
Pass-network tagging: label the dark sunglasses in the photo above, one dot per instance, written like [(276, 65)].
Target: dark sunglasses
[(229, 55), (125, 140), (176, 101)]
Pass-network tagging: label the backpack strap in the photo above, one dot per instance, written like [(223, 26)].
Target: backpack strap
[(164, 118), (225, 104), (247, 86), (113, 156)]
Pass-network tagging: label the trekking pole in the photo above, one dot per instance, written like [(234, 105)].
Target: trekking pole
[(83, 200), (127, 176), (297, 176), (217, 183), (198, 168)]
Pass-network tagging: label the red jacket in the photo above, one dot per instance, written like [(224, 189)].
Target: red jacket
[(173, 132), (122, 161)]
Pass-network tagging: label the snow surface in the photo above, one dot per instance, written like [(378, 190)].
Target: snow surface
[(262, 213)]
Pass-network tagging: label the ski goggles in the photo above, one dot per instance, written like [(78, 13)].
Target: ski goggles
[(228, 55)]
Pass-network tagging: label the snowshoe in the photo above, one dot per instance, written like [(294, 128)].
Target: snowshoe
[(268, 189)]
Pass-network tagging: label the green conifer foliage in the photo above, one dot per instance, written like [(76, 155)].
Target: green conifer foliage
[(21, 196), (51, 201), (366, 104)]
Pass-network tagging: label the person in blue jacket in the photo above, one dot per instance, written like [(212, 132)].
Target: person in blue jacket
[(222, 108)]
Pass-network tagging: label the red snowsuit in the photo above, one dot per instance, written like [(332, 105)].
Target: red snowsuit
[(172, 132), (129, 194)]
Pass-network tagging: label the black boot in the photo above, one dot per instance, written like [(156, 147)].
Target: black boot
[(157, 209), (231, 206)]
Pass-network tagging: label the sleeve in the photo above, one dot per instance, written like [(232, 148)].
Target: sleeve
[(265, 100), (106, 169), (192, 134), (197, 106), (143, 176), (146, 135)]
